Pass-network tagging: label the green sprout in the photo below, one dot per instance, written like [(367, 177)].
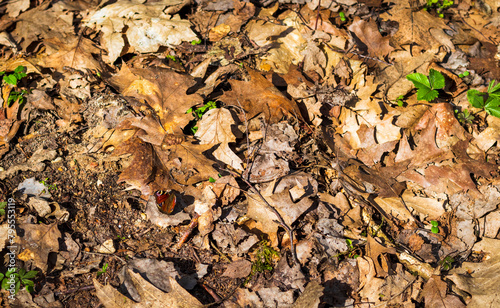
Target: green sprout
[(195, 42), (440, 6), (464, 74), (427, 86), (211, 180), (464, 117), (198, 112), (12, 277), (49, 186), (342, 16), (400, 101), (103, 270), (173, 58), (264, 258), (434, 228), (3, 204), (489, 101), (446, 263), (13, 79)]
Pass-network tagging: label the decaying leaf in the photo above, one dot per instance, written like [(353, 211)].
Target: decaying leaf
[(164, 91), (146, 26), (37, 242), (481, 279), (150, 295), (368, 33), (258, 95), (435, 293)]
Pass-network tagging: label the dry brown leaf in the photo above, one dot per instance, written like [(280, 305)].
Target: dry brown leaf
[(413, 26), (164, 90), (238, 269), (480, 279), (377, 252), (436, 296), (186, 162), (218, 33), (216, 126), (368, 33), (46, 22), (227, 156), (77, 53), (150, 295), (226, 188), (310, 298), (258, 95), (37, 241)]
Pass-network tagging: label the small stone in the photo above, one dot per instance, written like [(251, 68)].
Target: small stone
[(106, 247)]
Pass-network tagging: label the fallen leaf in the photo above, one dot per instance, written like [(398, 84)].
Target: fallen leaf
[(435, 294), (150, 295), (413, 26), (216, 126), (164, 90), (227, 156), (368, 33), (37, 242), (78, 53), (145, 26), (258, 95), (310, 298), (238, 269)]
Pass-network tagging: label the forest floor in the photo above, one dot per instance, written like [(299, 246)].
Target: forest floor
[(249, 154)]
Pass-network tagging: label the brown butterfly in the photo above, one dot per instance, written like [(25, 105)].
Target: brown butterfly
[(165, 201)]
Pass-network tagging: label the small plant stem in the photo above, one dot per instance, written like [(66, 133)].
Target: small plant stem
[(223, 256), (211, 292), (191, 226)]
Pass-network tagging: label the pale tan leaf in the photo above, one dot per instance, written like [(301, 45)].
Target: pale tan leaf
[(150, 295), (215, 127), (368, 33), (226, 155)]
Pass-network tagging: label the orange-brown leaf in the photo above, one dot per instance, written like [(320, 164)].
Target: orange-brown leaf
[(258, 95)]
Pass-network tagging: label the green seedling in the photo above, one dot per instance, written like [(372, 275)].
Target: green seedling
[(103, 270), (427, 86), (12, 277), (464, 117), (195, 42), (173, 58), (211, 180), (49, 186), (342, 16), (399, 100), (440, 6), (446, 263), (13, 79), (264, 258), (464, 74), (198, 112), (3, 204), (435, 227), (489, 101)]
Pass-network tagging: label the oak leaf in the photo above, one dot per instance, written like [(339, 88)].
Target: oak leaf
[(258, 95), (368, 33)]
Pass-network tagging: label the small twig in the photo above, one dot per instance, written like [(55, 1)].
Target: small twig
[(91, 287), (278, 215), (357, 54), (191, 226), (211, 292), (223, 256)]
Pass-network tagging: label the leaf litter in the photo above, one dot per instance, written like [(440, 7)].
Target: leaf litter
[(337, 165)]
